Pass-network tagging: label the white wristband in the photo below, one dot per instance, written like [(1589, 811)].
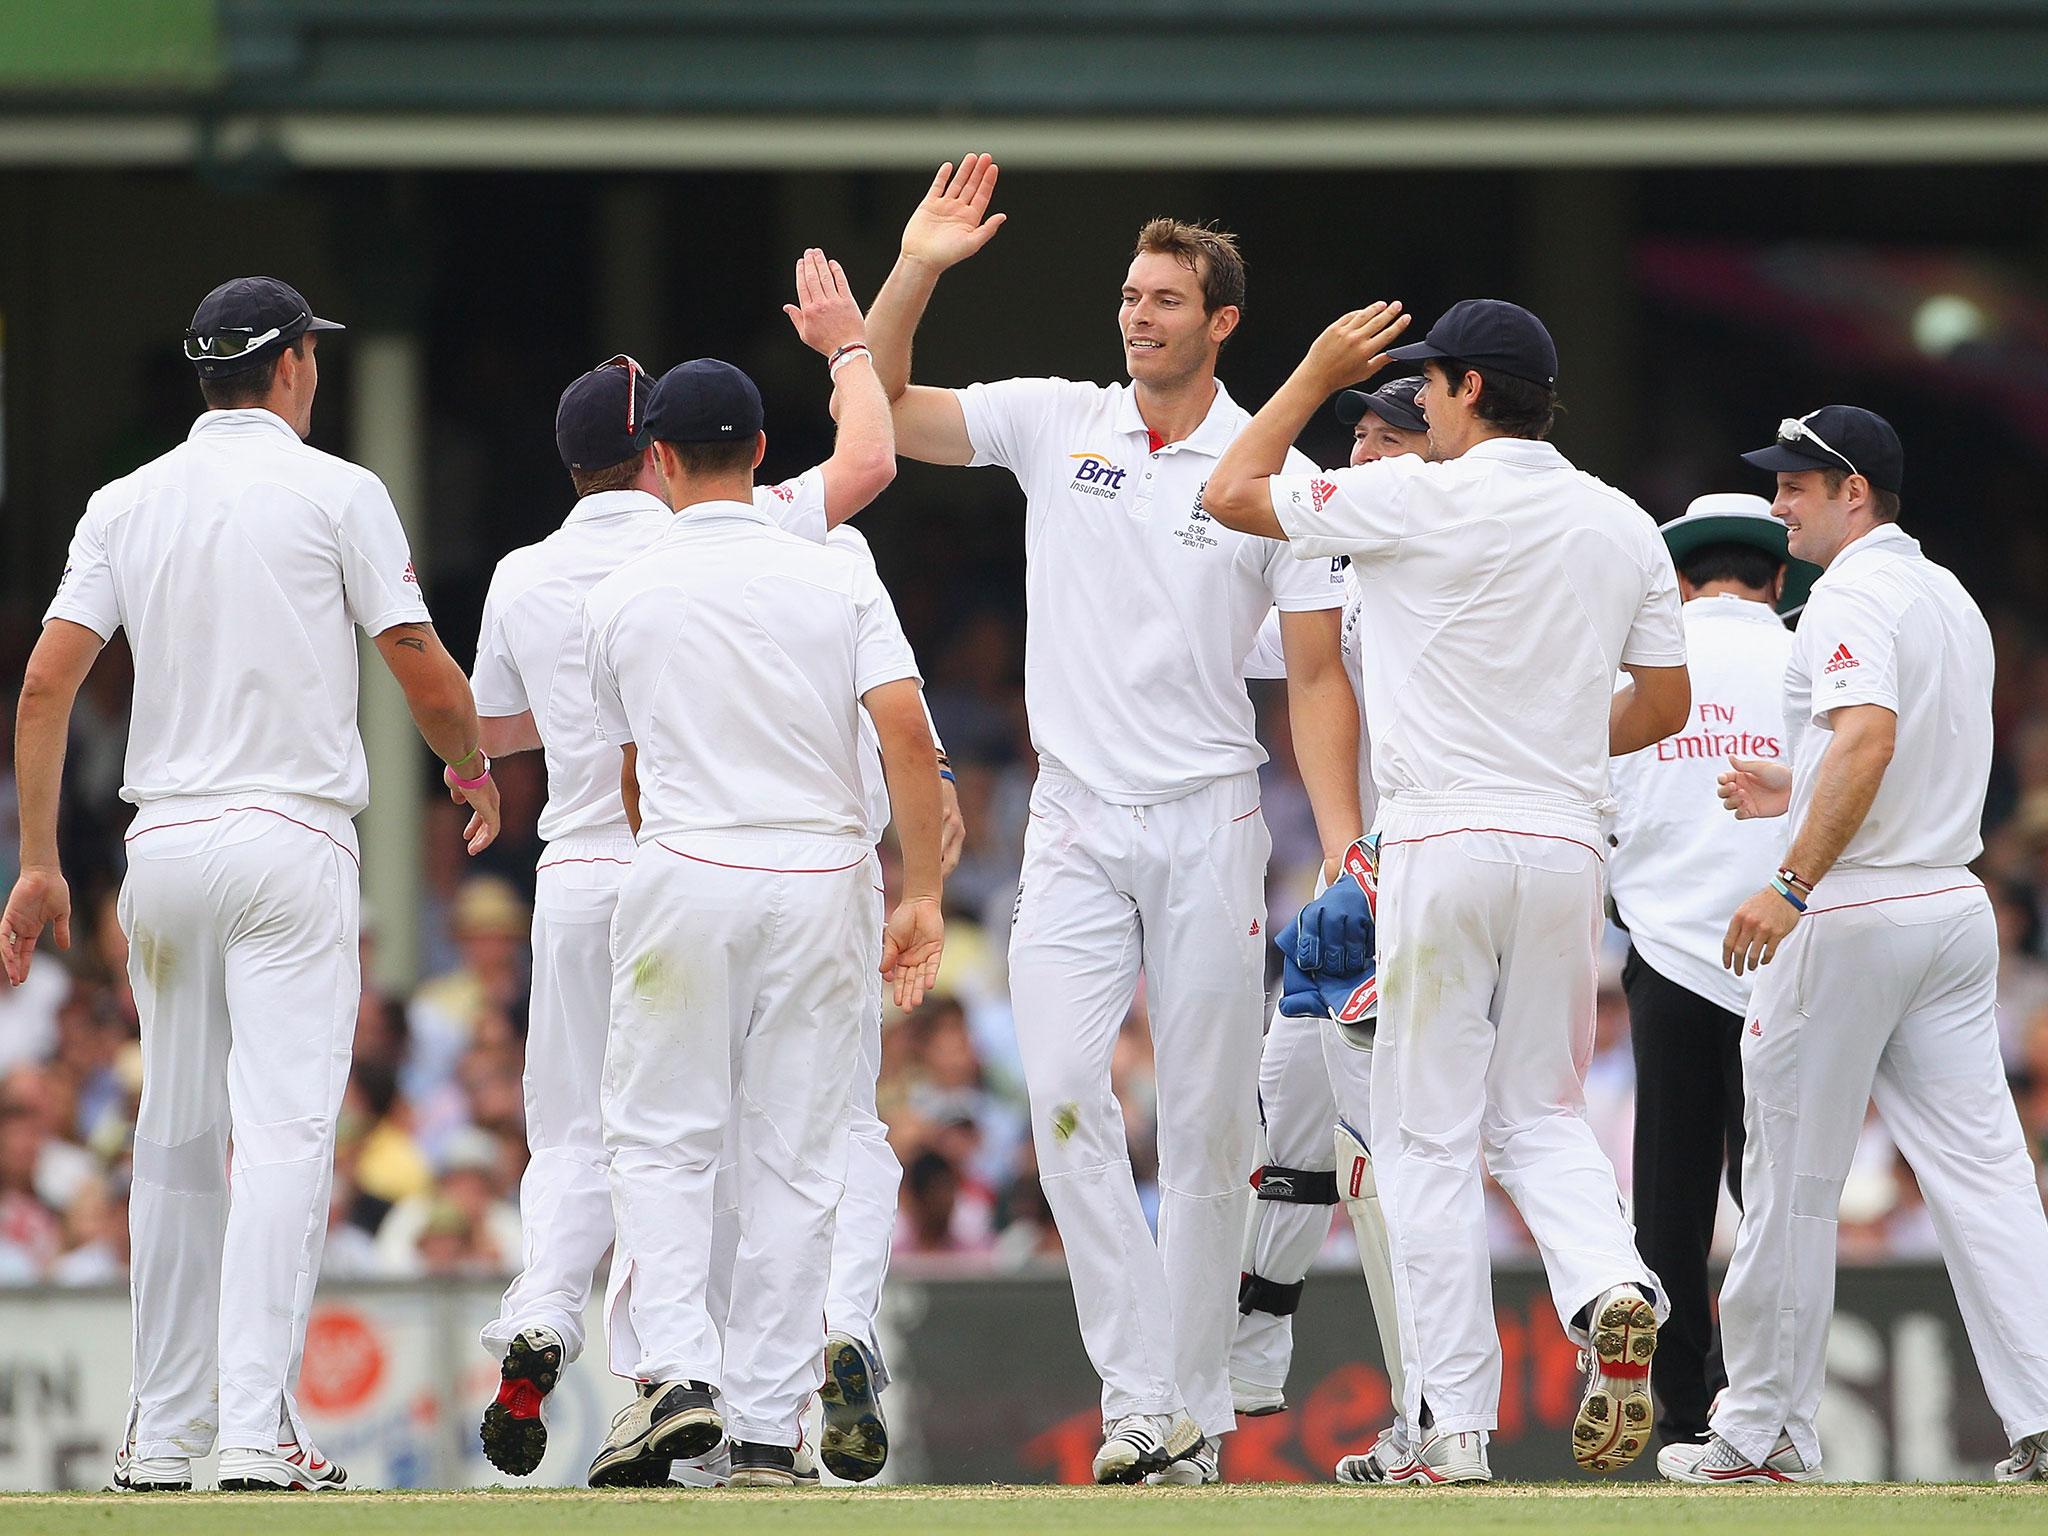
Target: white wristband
[(847, 355)]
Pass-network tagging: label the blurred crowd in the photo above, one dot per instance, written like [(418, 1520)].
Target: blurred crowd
[(431, 1143)]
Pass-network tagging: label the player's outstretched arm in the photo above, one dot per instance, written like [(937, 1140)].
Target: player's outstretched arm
[(437, 693), (1322, 714), (42, 723), (1754, 787), (951, 224), (914, 938), (828, 319), (1351, 349), (1654, 703)]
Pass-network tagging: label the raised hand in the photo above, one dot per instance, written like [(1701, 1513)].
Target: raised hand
[(953, 221), (825, 314), (1354, 346), (913, 942), (1755, 786)]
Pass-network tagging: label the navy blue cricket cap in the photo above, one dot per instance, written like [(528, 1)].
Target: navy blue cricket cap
[(1489, 333), (704, 401), (602, 417), (1837, 437), (244, 321), (1393, 402)]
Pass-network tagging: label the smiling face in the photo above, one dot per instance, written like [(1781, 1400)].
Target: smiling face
[(1820, 523), (1374, 439), (1168, 337)]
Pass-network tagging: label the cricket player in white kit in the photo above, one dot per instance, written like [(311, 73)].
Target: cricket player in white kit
[(1145, 846), (533, 690), (1315, 1075), (1677, 870), (1880, 963), (239, 563), (731, 661), (1500, 590)]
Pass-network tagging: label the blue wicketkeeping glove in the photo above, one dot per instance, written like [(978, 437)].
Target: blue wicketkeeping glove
[(1336, 929), (1347, 999)]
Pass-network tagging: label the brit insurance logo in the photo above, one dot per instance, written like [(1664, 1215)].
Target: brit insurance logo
[(1096, 476)]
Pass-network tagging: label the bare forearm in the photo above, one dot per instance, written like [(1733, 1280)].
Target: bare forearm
[(1848, 781), (1236, 494), (41, 723), (911, 768), (447, 721), (1630, 724), (629, 786), (863, 458), (1323, 713), (893, 321)]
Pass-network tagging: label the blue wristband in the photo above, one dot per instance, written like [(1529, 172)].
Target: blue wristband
[(947, 775), (1785, 891)]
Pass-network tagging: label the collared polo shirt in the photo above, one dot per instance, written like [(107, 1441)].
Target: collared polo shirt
[(1268, 659), (1887, 626), (1140, 607), (238, 563), (529, 653), (1499, 592), (1681, 864), (734, 655)]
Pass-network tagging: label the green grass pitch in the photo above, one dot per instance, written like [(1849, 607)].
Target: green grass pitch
[(906, 1511)]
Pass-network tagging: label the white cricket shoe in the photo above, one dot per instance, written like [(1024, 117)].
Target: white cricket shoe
[(1389, 1459), (149, 1474), (1714, 1460), (2028, 1462), (1139, 1443), (711, 1470), (1193, 1468), (1614, 1417), (1253, 1401), (1448, 1458), (298, 1468)]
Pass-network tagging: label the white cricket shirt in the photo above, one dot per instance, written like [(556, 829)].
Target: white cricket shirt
[(1498, 594), (1887, 626), (1268, 659), (1140, 607), (529, 653), (734, 655), (238, 563), (1680, 864)]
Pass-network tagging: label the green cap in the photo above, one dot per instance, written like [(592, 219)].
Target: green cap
[(1732, 517)]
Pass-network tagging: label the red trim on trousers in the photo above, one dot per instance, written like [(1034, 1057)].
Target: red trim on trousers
[(759, 869), (200, 821), (597, 859), (1974, 885), (1548, 837)]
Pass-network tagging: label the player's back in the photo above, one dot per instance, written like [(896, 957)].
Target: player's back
[(1496, 620), (237, 563), (734, 655)]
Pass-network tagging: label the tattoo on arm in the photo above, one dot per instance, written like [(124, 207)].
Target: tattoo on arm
[(414, 642), (411, 644)]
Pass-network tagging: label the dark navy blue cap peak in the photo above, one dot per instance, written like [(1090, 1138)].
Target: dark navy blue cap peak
[(1489, 333), (602, 417), (704, 401), (244, 321), (1393, 402), (1837, 437)]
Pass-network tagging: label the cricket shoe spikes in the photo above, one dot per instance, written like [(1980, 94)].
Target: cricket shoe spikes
[(1139, 1443), (1615, 1414), (290, 1468), (1195, 1468), (2027, 1463), (665, 1422), (755, 1465), (855, 1439), (1714, 1460), (514, 1431)]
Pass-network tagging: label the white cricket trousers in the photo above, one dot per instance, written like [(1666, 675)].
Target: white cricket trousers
[(736, 990), (565, 1196), (1179, 889), (1488, 979), (867, 1211), (1881, 991), (241, 913), (1309, 1075)]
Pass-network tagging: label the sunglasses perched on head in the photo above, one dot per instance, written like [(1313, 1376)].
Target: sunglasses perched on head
[(1793, 430), (233, 340)]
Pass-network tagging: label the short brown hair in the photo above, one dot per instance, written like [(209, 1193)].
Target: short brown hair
[(721, 458), (1208, 252), (249, 386), (1518, 407), (1886, 502), (613, 477)]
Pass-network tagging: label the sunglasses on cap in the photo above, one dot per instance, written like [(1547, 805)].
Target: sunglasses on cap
[(633, 375), (235, 340), (1793, 430)]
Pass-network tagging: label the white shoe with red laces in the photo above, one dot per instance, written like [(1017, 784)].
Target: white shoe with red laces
[(1714, 1460), (289, 1468)]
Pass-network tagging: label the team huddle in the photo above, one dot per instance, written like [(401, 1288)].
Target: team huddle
[(1514, 703)]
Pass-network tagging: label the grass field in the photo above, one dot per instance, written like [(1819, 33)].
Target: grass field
[(1952, 1510)]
